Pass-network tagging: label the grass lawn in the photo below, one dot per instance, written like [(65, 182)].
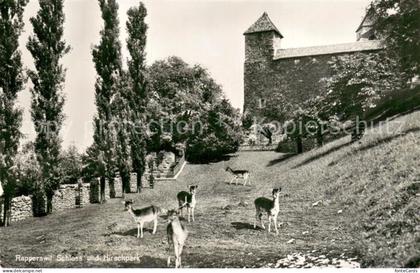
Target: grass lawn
[(369, 211)]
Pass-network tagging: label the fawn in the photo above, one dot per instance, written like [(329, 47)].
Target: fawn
[(271, 207), (142, 216), (188, 200), (177, 234), (244, 174)]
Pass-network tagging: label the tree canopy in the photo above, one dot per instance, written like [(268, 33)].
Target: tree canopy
[(187, 106)]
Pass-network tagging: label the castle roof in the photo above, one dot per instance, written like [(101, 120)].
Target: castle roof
[(360, 46), (263, 24), (368, 19)]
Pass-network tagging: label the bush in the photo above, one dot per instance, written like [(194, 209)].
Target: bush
[(209, 147)]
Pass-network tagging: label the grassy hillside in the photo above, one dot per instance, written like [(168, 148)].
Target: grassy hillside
[(368, 210), (376, 182)]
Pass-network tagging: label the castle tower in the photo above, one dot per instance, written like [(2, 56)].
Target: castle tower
[(262, 39)]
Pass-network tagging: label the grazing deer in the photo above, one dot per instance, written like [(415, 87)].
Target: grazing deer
[(271, 207), (177, 234), (244, 174), (142, 216), (187, 199)]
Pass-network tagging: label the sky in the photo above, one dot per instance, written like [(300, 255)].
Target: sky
[(205, 32)]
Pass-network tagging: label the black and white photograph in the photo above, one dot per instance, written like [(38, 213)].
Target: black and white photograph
[(209, 134)]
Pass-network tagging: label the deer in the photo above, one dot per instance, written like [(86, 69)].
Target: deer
[(177, 234), (144, 215), (188, 200), (271, 207), (244, 174)]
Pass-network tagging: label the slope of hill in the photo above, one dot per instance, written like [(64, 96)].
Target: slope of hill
[(376, 182), (355, 201)]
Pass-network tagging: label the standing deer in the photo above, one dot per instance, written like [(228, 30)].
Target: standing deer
[(177, 234), (244, 174), (142, 216), (271, 207), (187, 199)]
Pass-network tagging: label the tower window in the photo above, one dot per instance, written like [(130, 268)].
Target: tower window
[(261, 103)]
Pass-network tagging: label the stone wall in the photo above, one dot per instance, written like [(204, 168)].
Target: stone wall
[(95, 189), (65, 197), (21, 208), (107, 191), (85, 194), (118, 186), (133, 182)]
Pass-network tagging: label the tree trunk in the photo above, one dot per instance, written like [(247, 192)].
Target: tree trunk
[(270, 140), (49, 202), (6, 211), (38, 204), (319, 137), (139, 181), (102, 187), (1, 210), (125, 179), (299, 145), (111, 184), (359, 130)]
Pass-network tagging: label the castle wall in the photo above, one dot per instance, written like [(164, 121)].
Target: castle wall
[(290, 80)]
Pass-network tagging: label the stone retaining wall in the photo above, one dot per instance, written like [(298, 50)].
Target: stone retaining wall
[(133, 182), (65, 197), (21, 208), (70, 196)]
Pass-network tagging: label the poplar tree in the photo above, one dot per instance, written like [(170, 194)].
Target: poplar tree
[(12, 81), (107, 59), (136, 44), (121, 128), (48, 47)]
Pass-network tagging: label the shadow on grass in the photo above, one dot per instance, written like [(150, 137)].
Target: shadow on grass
[(376, 143), (132, 232), (212, 160), (280, 159), (241, 225), (147, 262), (240, 183), (318, 156)]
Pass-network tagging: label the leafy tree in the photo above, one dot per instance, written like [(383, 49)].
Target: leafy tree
[(187, 107), (28, 170), (220, 133), (136, 44), (107, 59), (11, 82), (47, 48), (359, 81), (397, 22), (176, 91), (71, 165)]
